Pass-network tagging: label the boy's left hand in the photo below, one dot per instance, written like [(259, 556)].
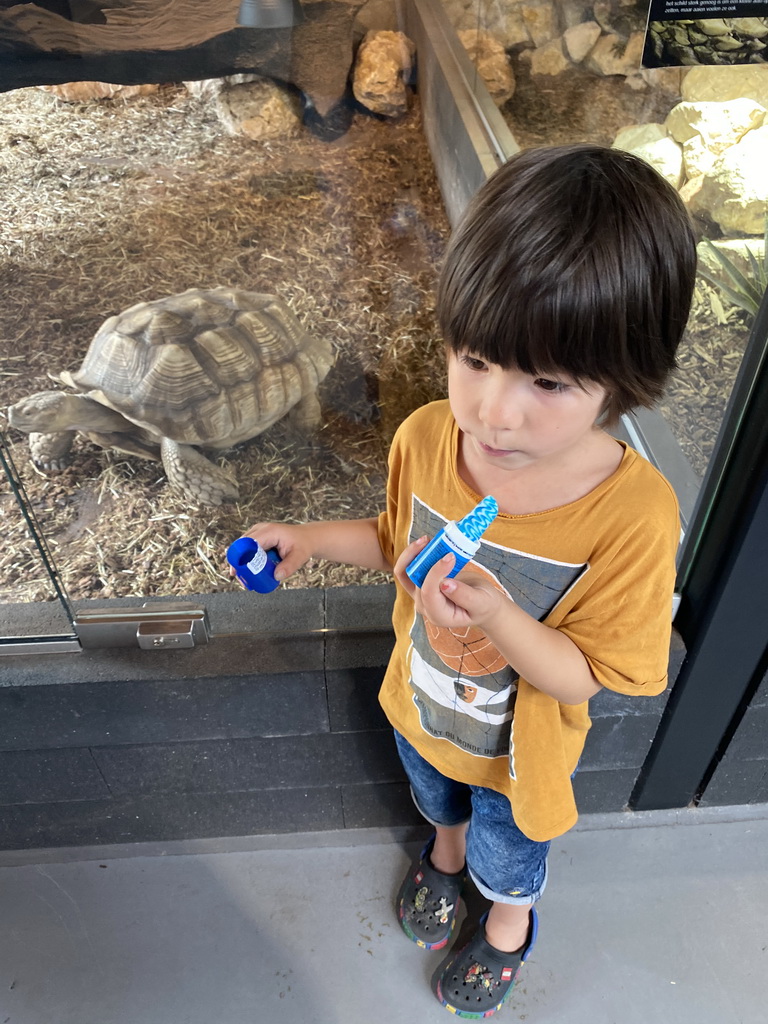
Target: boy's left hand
[(470, 599)]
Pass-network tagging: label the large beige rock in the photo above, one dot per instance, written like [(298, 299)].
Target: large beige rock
[(259, 110), (384, 62), (81, 92), (718, 125), (490, 59), (735, 192), (706, 129), (579, 40), (749, 81), (610, 55), (548, 59), (652, 143)]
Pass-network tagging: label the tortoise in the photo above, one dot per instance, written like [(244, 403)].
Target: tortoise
[(207, 368)]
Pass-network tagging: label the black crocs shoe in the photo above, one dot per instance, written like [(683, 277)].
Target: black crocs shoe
[(428, 901), (475, 981)]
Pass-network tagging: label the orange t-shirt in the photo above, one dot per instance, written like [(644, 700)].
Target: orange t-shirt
[(601, 569)]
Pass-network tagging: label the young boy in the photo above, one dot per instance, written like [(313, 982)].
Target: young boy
[(562, 300)]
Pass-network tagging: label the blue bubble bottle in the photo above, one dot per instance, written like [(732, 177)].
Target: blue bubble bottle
[(461, 539), (255, 567)]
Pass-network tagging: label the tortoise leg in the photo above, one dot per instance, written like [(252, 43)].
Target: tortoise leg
[(306, 414), (50, 452), (198, 477)]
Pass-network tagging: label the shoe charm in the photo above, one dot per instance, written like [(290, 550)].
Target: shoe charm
[(420, 900), (444, 910), (478, 975)]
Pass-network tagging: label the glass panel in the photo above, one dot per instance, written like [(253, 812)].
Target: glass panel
[(26, 564), (573, 71), (120, 200)]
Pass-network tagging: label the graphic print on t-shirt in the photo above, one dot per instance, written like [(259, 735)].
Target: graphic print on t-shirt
[(463, 688)]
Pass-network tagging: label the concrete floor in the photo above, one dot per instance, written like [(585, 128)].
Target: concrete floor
[(664, 920)]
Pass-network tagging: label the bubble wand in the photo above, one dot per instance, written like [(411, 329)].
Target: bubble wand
[(461, 539)]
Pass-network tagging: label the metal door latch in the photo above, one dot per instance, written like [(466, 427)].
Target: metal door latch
[(152, 627)]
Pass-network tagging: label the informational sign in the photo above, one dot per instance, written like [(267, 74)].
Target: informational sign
[(690, 32)]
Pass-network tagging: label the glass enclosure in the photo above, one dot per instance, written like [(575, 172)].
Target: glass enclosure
[(249, 164), (113, 202)]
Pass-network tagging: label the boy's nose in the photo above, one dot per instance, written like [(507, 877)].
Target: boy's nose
[(501, 409)]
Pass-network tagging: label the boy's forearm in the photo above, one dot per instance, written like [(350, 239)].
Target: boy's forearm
[(351, 541), (543, 656)]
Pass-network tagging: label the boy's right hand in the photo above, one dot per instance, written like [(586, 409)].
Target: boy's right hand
[(291, 542)]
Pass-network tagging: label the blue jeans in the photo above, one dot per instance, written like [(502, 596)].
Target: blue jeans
[(505, 865)]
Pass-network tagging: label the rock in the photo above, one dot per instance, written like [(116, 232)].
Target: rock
[(735, 192), (548, 59), (384, 62), (697, 158), (610, 55), (651, 143), (720, 84), (707, 129), (690, 190), (80, 92), (579, 40), (259, 110), (492, 63), (637, 135), (540, 20)]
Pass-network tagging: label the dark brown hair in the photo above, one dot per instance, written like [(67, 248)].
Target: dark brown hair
[(580, 259)]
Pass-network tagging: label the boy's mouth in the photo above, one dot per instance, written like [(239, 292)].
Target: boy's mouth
[(496, 452)]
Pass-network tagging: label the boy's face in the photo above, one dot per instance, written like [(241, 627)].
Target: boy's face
[(511, 419)]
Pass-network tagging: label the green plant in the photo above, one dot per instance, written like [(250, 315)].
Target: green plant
[(744, 292)]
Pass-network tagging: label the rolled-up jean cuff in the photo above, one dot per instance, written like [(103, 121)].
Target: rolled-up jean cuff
[(497, 897), (442, 824)]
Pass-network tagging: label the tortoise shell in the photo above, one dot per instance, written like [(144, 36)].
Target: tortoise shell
[(207, 367)]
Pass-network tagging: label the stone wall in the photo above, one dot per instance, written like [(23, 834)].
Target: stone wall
[(275, 732)]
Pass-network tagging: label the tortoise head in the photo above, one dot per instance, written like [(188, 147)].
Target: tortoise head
[(52, 411)]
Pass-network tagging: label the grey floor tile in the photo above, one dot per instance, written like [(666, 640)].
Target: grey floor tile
[(638, 924)]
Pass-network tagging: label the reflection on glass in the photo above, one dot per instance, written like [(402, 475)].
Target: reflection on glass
[(114, 203), (576, 77)]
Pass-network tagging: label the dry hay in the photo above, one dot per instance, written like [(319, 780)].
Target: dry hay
[(110, 203)]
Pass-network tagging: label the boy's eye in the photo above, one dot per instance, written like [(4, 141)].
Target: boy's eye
[(472, 362), (550, 385)]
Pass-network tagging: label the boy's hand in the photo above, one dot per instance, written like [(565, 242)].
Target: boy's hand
[(470, 599), (289, 540)]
